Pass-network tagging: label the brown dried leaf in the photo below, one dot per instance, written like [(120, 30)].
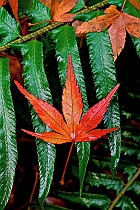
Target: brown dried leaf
[(14, 7), (117, 35), (54, 6), (64, 7), (15, 69), (2, 2), (117, 31), (119, 21), (47, 2), (135, 3), (134, 28), (24, 26), (66, 18), (99, 23)]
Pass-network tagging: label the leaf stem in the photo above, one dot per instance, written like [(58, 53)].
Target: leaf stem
[(34, 187), (50, 27), (124, 189), (63, 175), (123, 5)]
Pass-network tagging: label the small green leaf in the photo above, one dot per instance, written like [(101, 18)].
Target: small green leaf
[(86, 199), (126, 204), (9, 28), (63, 47), (36, 83), (8, 145), (104, 76), (111, 183)]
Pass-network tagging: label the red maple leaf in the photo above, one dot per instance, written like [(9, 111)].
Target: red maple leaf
[(71, 126)]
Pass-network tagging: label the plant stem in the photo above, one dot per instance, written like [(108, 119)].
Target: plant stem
[(63, 175), (123, 5), (34, 187), (32, 35), (93, 7), (124, 189), (49, 27)]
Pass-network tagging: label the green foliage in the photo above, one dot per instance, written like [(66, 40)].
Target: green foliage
[(137, 45), (86, 199), (35, 81), (10, 31), (36, 12), (44, 63), (104, 72), (80, 4), (126, 203), (8, 146)]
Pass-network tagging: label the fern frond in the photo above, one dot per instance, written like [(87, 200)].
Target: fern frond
[(36, 83), (8, 144), (104, 75), (9, 28)]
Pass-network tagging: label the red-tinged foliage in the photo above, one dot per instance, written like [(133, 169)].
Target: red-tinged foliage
[(69, 127), (47, 113)]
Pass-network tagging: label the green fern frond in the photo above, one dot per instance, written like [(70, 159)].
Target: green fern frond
[(104, 75), (36, 83), (9, 28), (8, 144)]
